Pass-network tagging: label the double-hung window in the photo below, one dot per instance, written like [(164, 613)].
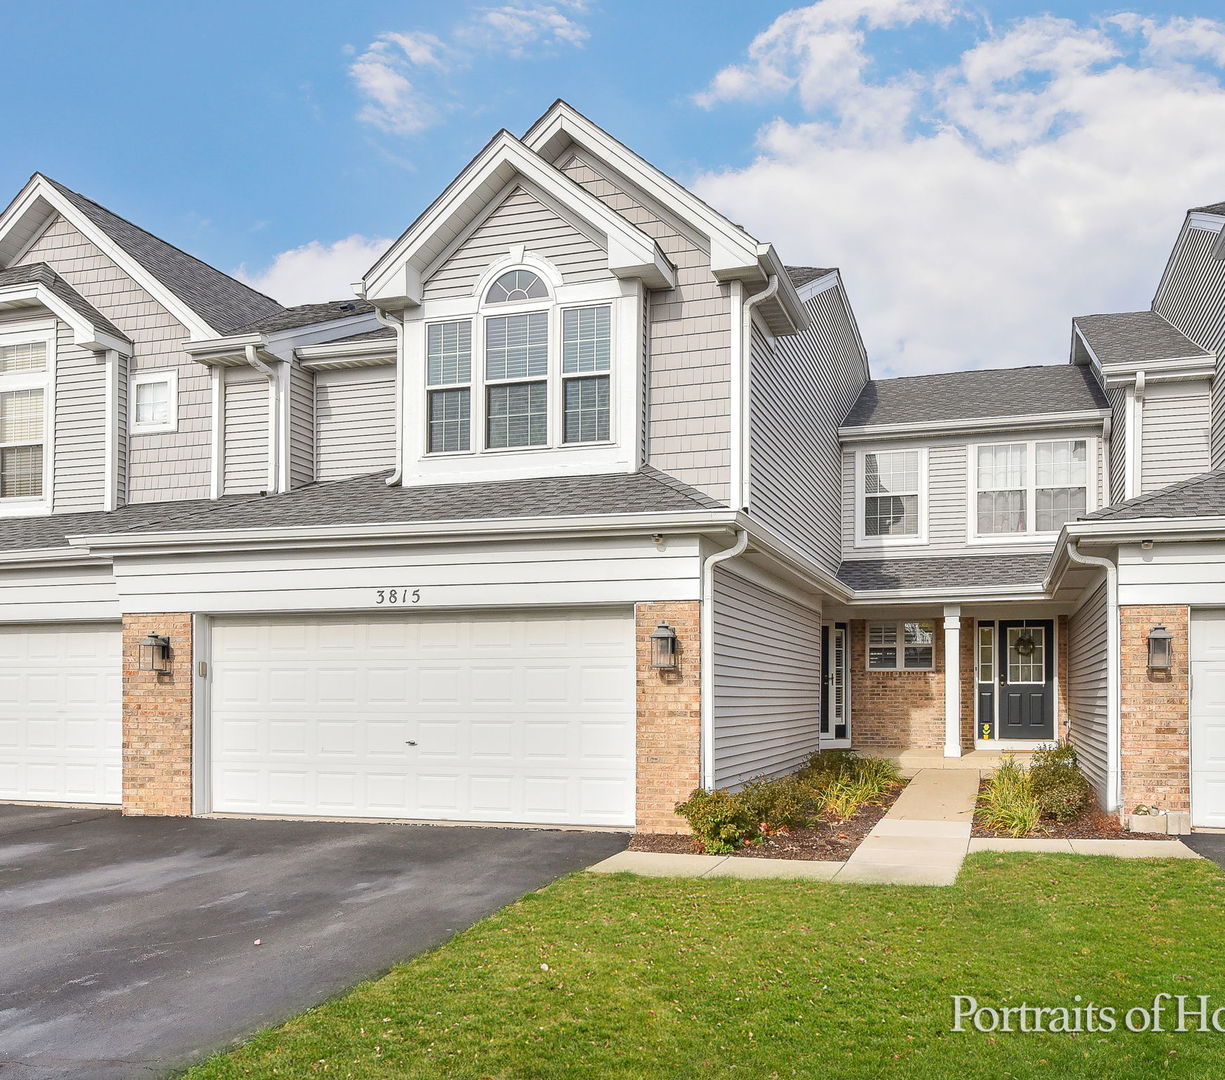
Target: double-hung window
[(448, 367), (585, 351), (901, 646), (24, 374), (517, 380), (1030, 487), (891, 495)]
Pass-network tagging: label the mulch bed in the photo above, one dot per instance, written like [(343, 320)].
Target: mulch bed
[(1093, 824), (831, 842)]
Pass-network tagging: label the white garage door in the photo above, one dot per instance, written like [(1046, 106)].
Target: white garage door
[(508, 717), (1208, 718), (61, 732)]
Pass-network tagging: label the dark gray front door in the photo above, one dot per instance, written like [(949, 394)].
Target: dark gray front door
[(1027, 680)]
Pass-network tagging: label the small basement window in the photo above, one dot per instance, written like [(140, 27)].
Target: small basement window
[(901, 646), (155, 402)]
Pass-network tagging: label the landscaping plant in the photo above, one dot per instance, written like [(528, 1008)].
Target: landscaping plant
[(1008, 801), (1058, 786), (720, 820)]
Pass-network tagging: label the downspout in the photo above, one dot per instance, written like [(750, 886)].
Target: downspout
[(1114, 661), (707, 651), (742, 389), (397, 325), (274, 415)]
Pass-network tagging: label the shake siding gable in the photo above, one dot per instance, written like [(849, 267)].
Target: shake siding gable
[(170, 466), (246, 431), (355, 422), (767, 680), (802, 387), (688, 393), (1087, 688), (520, 219)]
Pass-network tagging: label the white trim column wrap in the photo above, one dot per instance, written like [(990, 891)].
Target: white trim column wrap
[(952, 680)]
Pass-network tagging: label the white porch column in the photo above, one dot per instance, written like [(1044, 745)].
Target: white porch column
[(952, 680)]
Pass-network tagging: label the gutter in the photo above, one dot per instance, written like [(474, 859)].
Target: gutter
[(707, 651), (1114, 795), (397, 324), (276, 419)]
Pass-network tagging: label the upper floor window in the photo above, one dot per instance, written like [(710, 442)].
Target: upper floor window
[(890, 503), (24, 373), (154, 402), (1030, 487), (543, 379)]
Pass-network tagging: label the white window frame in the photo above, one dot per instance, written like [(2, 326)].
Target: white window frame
[(23, 334), (973, 536), (862, 540), (899, 649), (554, 378), (472, 386), (144, 378)]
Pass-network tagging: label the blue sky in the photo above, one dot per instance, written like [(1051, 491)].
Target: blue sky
[(980, 172)]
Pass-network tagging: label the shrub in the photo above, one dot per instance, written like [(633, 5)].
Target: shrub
[(720, 821), (845, 796), (842, 783), (778, 804), (1061, 790), (1008, 802), (1058, 753)]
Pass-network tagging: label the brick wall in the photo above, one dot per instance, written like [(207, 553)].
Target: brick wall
[(896, 708), (1155, 720), (157, 720), (669, 717)]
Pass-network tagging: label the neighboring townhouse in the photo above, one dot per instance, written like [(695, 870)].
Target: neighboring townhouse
[(584, 501)]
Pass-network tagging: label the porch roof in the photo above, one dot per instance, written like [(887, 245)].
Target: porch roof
[(958, 572), (1198, 496)]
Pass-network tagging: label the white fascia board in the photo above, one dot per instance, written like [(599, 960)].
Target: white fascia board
[(84, 332), (1166, 370), (1036, 421), (732, 251), (396, 277), (1080, 334), (817, 286), (949, 594), (223, 352), (455, 531), (1107, 530), (64, 556), (1206, 222), (39, 189), (768, 542), (375, 353), (786, 301)]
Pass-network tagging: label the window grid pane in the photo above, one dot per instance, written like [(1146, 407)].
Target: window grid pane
[(587, 409), (516, 285), (152, 402), (920, 642), (1062, 478), (891, 493), (28, 356), (986, 654), (1031, 668), (586, 338), (518, 415), (21, 472), (21, 416), (448, 353), (882, 645), (517, 346), (450, 421)]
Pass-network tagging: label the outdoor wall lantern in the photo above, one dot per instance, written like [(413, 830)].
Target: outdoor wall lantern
[(663, 648), (1160, 649), (155, 653)]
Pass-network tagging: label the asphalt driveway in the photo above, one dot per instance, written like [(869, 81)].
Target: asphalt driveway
[(128, 946)]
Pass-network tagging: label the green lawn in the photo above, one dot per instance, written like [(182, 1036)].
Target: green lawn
[(626, 978)]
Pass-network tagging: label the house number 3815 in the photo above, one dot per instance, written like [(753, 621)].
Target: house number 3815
[(397, 597)]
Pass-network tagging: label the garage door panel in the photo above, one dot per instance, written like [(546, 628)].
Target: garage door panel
[(514, 718), (60, 696), (1208, 719)]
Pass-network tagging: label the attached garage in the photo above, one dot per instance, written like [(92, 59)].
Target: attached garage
[(1208, 718), (61, 734), (502, 717)]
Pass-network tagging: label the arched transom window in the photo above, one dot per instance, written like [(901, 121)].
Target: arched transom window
[(516, 285)]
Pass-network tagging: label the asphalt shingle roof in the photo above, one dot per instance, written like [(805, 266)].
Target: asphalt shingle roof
[(1200, 496), (802, 275), (1211, 208), (367, 500), (952, 571), (1135, 335), (219, 299), (368, 335), (44, 275), (307, 315), (977, 395)]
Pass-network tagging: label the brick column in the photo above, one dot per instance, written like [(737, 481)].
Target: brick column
[(669, 717), (157, 720), (969, 683), (1155, 714)]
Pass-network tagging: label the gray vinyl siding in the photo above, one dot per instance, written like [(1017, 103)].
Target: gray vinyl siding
[(801, 389), (689, 388), (245, 446), (1192, 294), (301, 426), (355, 422), (767, 680), (948, 497), (1217, 435), (79, 464), (519, 219), (1176, 435), (1117, 397), (1087, 689), (174, 465)]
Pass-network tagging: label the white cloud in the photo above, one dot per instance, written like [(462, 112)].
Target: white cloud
[(315, 272), (399, 74), (975, 207)]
